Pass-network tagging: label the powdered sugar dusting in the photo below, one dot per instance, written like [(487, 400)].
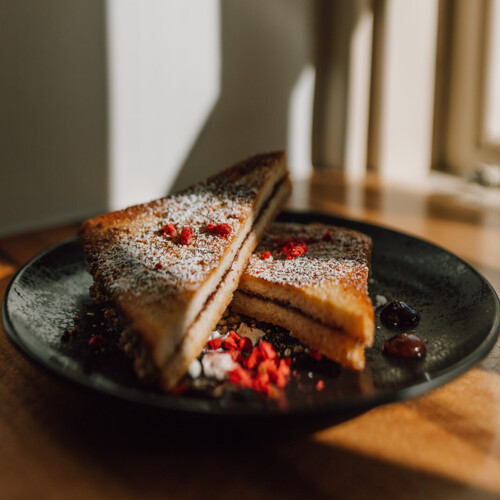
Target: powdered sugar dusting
[(46, 299), (333, 254), (217, 365), (195, 368), (380, 300), (136, 255)]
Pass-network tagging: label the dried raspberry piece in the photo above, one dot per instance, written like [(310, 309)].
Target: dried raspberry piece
[(253, 359), (214, 343), (245, 344), (158, 266), (97, 342), (269, 366), (265, 255), (230, 343), (320, 385), (169, 230), (233, 335), (266, 350), (261, 383), (235, 354), (315, 354), (221, 230), (295, 249), (281, 380), (179, 389), (239, 358), (284, 366), (186, 236), (240, 376), (283, 373), (327, 236)]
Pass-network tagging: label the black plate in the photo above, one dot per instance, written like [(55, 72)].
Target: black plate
[(459, 324)]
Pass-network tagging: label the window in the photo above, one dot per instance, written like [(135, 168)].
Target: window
[(467, 125), (428, 77)]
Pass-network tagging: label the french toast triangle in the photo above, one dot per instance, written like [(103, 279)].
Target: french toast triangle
[(166, 270), (313, 280)]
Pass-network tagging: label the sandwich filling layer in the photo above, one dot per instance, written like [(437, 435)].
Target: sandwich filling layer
[(330, 342), (278, 193), (289, 307)]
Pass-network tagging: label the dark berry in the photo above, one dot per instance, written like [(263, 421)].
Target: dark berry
[(404, 345), (397, 314)]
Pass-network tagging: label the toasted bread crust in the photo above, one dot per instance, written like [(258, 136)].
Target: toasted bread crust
[(158, 286), (319, 295), (330, 342)]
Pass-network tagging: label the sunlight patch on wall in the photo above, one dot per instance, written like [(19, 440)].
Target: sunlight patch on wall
[(300, 124), (164, 79), (492, 110)]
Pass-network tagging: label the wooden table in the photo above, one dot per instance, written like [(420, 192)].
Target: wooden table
[(57, 441)]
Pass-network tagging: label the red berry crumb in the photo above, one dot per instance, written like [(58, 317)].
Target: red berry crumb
[(245, 344), (179, 389), (261, 382), (266, 350), (265, 255), (214, 343), (222, 230), (315, 354), (169, 230), (253, 358), (294, 249), (97, 342), (158, 266), (327, 236), (241, 377), (320, 385), (259, 368), (233, 335), (230, 343), (186, 236), (283, 373)]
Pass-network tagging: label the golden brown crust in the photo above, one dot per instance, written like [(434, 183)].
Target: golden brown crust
[(156, 284), (325, 290), (330, 342)]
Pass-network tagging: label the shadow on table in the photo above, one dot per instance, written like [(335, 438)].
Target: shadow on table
[(149, 451)]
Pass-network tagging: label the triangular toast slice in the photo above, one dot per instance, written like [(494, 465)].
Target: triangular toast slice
[(167, 269), (313, 280)]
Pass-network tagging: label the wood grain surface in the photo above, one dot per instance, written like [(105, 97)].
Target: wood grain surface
[(59, 441)]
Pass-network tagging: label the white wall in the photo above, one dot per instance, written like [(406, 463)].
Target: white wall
[(196, 86), (105, 104), (164, 63)]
